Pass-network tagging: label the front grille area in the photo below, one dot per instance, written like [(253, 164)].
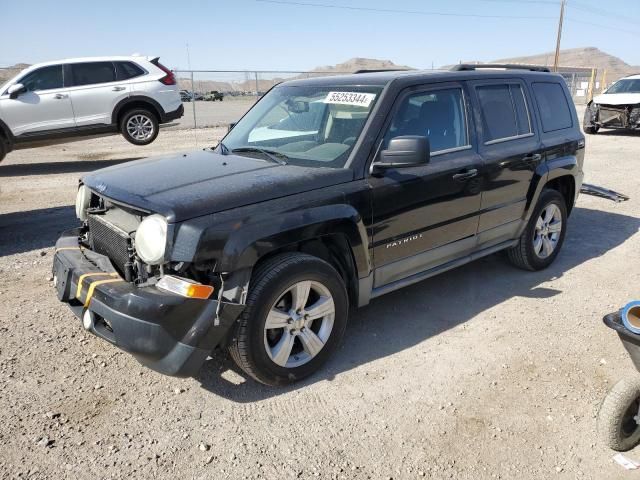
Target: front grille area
[(110, 241)]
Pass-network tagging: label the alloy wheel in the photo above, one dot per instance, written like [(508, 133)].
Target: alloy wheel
[(299, 324), (547, 232), (140, 127)]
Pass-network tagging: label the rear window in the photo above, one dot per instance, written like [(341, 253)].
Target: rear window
[(92, 73), (504, 112), (127, 70), (554, 108)]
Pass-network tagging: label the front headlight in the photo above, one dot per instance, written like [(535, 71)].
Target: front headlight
[(151, 239), (83, 199)]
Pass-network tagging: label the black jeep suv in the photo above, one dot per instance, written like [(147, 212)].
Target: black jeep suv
[(329, 192)]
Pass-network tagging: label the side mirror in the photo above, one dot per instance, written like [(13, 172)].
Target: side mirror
[(403, 151), (15, 90)]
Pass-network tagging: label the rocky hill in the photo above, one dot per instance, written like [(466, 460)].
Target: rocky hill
[(589, 57)]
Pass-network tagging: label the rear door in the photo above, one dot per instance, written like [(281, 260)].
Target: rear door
[(44, 107), (95, 92), (511, 151), (427, 215)]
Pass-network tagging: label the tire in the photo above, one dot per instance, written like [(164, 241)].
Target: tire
[(146, 120), (616, 427), (255, 348), (3, 148), (591, 130), (532, 252)]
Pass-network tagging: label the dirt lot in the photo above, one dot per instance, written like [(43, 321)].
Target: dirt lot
[(483, 372)]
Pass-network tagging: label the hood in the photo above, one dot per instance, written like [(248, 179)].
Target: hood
[(198, 183), (617, 99)]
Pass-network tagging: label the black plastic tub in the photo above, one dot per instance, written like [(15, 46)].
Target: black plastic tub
[(630, 340)]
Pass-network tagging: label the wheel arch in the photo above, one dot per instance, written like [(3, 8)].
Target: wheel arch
[(333, 233), (566, 185), (133, 102)]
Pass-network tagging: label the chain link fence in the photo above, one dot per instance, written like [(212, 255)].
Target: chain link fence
[(219, 97), (215, 98)]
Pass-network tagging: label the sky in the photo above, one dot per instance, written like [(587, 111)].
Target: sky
[(300, 35)]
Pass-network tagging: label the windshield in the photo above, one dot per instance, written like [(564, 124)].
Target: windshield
[(309, 126), (625, 86)]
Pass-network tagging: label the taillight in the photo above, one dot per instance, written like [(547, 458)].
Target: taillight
[(169, 78)]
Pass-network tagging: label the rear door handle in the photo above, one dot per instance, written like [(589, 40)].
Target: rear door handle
[(535, 157), (461, 177), (118, 89), (60, 96)]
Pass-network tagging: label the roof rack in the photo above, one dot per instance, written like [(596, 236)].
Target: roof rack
[(463, 67), (382, 70)]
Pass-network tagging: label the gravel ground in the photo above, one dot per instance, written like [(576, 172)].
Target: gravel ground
[(483, 372)]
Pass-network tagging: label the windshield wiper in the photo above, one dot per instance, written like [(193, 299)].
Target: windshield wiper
[(270, 154)]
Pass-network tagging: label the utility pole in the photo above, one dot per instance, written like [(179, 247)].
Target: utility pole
[(557, 59)]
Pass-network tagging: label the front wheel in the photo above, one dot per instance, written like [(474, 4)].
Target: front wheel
[(139, 127), (542, 239), (618, 416), (295, 316), (3, 149)]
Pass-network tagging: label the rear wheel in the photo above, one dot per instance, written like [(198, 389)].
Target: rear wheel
[(543, 237), (139, 126), (295, 317), (618, 416)]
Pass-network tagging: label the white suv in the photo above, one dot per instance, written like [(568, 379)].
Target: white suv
[(86, 96)]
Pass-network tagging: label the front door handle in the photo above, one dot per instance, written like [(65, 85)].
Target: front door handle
[(118, 89), (461, 177), (535, 157), (60, 96)]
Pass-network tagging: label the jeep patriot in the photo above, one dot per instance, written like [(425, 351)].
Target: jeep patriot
[(328, 193)]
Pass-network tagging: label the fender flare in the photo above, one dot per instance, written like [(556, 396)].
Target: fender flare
[(247, 245), (544, 173), (137, 98)]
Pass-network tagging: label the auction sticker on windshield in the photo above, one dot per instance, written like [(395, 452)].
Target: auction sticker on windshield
[(350, 98)]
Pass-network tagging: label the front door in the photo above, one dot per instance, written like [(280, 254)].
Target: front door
[(45, 106), (427, 215)]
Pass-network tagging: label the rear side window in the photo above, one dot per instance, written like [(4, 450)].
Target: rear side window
[(45, 78), (554, 109), (504, 112), (93, 73), (127, 70)]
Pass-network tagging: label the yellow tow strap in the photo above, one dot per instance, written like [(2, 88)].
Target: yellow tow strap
[(92, 274), (95, 284)]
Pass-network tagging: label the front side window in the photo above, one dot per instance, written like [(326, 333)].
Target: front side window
[(93, 73), (45, 78), (629, 85), (504, 112), (554, 108), (438, 115), (309, 126)]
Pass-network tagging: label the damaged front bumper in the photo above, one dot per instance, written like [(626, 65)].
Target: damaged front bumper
[(612, 116), (166, 332)]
